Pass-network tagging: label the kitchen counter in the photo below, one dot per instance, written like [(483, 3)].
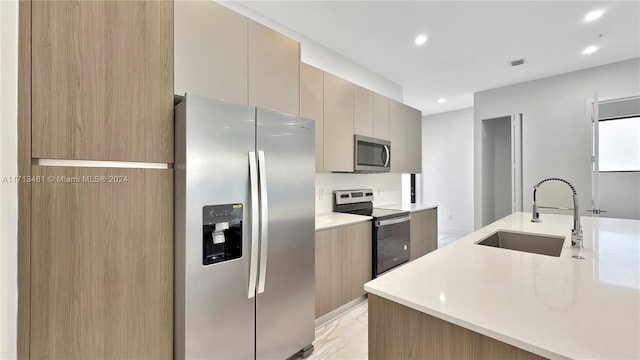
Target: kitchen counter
[(408, 207), (332, 220), (556, 307)]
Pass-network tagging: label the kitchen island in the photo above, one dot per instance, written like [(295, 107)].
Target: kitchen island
[(473, 301)]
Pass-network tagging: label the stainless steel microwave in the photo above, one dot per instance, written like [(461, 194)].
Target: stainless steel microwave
[(371, 155)]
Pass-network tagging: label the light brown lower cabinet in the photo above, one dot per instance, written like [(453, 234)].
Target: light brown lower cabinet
[(102, 263), (424, 232), (399, 332), (343, 265)]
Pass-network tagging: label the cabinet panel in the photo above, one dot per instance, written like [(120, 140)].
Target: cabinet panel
[(338, 124), (274, 70), (362, 111), (398, 136), (380, 117), (102, 80), (414, 141), (311, 105), (210, 51), (424, 232), (356, 260), (102, 264), (328, 271)]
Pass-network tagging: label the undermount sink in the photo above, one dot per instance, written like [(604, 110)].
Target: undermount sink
[(532, 243)]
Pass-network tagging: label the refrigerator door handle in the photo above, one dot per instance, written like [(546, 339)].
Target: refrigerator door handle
[(264, 221), (253, 268)]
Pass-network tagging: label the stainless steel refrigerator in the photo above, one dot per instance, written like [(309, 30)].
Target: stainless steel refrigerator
[(244, 232)]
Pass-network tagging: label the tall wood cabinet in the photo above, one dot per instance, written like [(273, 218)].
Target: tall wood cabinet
[(405, 128), (343, 265), (96, 244), (102, 83), (311, 105)]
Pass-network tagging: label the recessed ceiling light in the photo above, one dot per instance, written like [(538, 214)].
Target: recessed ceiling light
[(589, 49), (421, 39), (595, 14), (442, 101)]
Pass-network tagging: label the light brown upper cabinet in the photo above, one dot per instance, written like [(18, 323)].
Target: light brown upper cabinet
[(338, 124), (414, 140), (210, 51), (311, 105), (405, 127), (380, 117), (274, 70), (398, 136), (362, 111), (102, 80)]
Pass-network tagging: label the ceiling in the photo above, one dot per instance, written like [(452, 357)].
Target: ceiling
[(470, 43)]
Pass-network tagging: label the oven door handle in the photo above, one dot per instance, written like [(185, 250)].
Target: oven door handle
[(393, 221)]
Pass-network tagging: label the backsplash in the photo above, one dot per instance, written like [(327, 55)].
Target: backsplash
[(387, 188)]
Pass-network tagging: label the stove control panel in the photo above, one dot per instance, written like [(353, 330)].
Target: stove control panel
[(353, 196)]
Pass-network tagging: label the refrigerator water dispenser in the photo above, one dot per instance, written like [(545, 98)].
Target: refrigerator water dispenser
[(221, 233)]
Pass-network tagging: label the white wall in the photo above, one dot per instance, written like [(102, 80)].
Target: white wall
[(447, 168), (386, 188), (555, 125), (8, 167)]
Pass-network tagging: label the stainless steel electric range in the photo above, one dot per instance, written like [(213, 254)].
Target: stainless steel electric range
[(390, 228)]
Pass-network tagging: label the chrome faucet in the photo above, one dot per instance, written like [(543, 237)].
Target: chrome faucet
[(576, 232)]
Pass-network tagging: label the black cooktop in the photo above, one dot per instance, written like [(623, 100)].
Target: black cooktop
[(385, 213)]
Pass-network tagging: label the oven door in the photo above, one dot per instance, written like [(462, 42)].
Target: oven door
[(390, 243)]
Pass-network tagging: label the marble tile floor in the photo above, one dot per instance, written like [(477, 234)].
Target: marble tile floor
[(343, 338)]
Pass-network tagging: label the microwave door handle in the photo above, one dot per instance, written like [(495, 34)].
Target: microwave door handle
[(386, 150), (393, 221)]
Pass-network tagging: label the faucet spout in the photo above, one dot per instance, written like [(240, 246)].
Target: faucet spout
[(576, 232)]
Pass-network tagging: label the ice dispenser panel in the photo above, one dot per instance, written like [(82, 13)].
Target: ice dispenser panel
[(221, 233)]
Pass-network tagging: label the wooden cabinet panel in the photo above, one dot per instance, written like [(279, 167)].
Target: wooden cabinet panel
[(102, 264), (338, 124), (356, 260), (424, 232), (102, 80), (380, 117), (311, 105), (328, 271), (210, 51), (362, 111), (398, 136), (274, 70), (414, 141)]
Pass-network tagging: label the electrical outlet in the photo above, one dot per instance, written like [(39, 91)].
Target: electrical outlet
[(321, 194)]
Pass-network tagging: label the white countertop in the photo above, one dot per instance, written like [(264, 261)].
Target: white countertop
[(331, 220), (557, 307), (407, 207)]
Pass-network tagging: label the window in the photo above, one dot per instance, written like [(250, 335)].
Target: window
[(619, 143)]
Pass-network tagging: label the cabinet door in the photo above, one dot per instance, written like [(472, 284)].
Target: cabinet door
[(380, 117), (328, 267), (274, 70), (210, 51), (338, 124), (398, 135), (414, 140), (311, 105), (356, 260), (424, 232), (362, 111), (102, 80), (102, 264)]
